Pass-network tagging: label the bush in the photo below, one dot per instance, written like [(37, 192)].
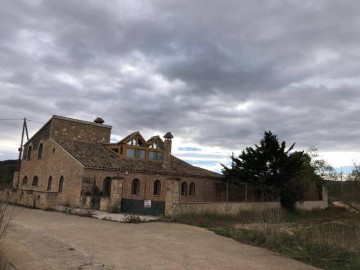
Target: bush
[(5, 216), (132, 219)]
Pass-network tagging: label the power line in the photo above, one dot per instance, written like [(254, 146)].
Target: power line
[(8, 119), (34, 121)]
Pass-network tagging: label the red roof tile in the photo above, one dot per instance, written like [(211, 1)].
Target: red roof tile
[(97, 156)]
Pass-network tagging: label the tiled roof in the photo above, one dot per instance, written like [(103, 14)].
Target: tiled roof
[(97, 156)]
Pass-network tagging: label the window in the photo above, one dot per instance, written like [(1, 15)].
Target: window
[(61, 183), (35, 181), (157, 145), (130, 152), (183, 188), (106, 187), (192, 189), (153, 155), (136, 141), (157, 187), (40, 150), (25, 180), (135, 153), (49, 183), (28, 157), (159, 156), (135, 187)]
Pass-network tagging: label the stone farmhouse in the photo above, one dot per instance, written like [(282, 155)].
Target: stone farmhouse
[(71, 162)]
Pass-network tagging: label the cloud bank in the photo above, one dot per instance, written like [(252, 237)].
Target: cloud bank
[(216, 74)]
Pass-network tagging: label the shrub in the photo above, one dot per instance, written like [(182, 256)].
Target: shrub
[(5, 216), (132, 219)]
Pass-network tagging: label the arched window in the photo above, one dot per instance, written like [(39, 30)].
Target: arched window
[(25, 180), (183, 188), (61, 183), (157, 187), (35, 181), (135, 187), (49, 183), (28, 156), (40, 150), (192, 189), (106, 187)]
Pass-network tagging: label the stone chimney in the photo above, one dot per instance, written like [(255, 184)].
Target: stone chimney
[(167, 150), (99, 120)]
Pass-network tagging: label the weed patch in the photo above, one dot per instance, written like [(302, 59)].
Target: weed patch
[(329, 239)]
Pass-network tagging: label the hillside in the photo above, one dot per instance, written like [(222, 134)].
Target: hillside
[(7, 169)]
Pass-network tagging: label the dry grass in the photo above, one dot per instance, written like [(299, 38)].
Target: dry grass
[(5, 216), (329, 239)]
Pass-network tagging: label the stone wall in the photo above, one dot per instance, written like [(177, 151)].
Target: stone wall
[(172, 197), (146, 191), (232, 208), (81, 131), (42, 135), (55, 163), (30, 198)]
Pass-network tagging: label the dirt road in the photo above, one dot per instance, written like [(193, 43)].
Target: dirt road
[(50, 240)]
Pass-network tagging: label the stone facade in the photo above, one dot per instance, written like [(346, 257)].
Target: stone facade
[(54, 164), (76, 130)]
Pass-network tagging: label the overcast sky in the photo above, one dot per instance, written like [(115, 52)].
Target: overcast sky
[(215, 73)]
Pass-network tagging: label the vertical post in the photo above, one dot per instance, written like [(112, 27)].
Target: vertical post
[(342, 184), (21, 149), (145, 191), (246, 192), (227, 190)]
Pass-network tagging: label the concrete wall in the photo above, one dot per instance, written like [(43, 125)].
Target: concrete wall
[(312, 205)]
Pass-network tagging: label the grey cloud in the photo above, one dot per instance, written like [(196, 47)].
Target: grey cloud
[(295, 62)]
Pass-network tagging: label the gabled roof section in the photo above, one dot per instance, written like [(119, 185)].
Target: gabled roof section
[(97, 156), (153, 139), (135, 135)]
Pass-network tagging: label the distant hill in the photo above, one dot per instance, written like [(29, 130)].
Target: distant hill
[(7, 169)]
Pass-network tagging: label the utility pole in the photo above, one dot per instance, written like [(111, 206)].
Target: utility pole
[(24, 130)]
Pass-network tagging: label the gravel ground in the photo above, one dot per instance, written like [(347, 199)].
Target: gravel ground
[(43, 240)]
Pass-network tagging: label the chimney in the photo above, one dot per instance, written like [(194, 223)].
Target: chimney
[(99, 120), (167, 150)]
